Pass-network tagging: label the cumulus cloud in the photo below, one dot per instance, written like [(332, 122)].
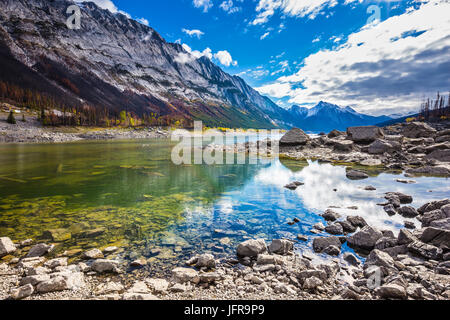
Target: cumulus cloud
[(107, 5), (223, 57), (293, 8), (203, 4), (388, 66), (193, 33)]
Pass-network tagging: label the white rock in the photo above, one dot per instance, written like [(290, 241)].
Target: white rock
[(22, 292), (6, 246), (103, 266), (183, 275), (157, 285)]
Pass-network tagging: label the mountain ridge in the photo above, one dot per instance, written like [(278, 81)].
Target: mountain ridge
[(117, 63), (327, 117)]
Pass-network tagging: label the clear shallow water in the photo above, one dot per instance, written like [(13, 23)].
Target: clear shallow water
[(129, 194)]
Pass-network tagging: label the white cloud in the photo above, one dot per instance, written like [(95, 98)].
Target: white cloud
[(265, 35), (193, 33), (204, 4), (382, 67), (293, 8), (225, 58), (143, 21)]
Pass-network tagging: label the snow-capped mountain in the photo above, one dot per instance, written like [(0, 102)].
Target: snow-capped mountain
[(326, 117), (115, 62)]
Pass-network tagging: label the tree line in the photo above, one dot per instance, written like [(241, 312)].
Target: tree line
[(435, 110), (55, 112)]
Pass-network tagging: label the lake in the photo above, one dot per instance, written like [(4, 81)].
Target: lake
[(130, 195)]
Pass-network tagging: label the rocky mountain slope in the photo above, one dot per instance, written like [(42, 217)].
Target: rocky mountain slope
[(117, 63), (326, 117)]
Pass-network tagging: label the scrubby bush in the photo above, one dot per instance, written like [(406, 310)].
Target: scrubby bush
[(11, 118)]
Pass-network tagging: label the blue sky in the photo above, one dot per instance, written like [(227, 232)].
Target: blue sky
[(281, 47)]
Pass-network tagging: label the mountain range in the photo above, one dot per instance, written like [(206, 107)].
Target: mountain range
[(326, 117), (117, 63)]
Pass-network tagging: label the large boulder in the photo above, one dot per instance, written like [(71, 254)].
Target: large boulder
[(105, 266), (434, 205), (365, 134), (425, 250), (365, 239), (6, 246), (295, 137), (436, 237), (431, 216), (418, 130), (251, 248), (321, 243), (408, 212), (281, 246), (380, 259), (62, 281)]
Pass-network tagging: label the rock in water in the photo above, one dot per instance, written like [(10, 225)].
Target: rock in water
[(251, 248), (295, 137), (6, 246), (39, 250), (356, 175), (365, 134)]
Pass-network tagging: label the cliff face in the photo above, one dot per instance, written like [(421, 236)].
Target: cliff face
[(117, 63)]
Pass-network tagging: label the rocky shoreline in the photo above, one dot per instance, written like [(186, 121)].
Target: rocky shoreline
[(32, 131), (417, 148), (413, 265)]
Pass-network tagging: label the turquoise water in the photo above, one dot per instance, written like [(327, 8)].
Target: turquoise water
[(129, 194)]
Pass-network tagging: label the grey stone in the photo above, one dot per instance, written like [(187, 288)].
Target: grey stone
[(408, 212), (39, 250), (356, 175), (366, 238), (351, 259), (391, 291), (365, 134), (184, 275), (357, 221), (93, 254), (22, 292), (418, 130), (330, 215), (105, 266), (281, 247), (251, 248), (321, 243), (334, 229)]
